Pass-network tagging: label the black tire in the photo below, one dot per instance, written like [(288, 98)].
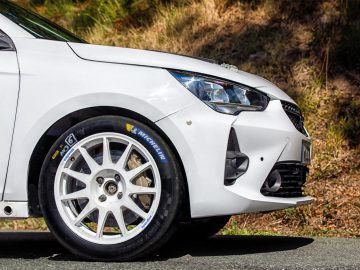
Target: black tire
[(157, 232), (201, 228)]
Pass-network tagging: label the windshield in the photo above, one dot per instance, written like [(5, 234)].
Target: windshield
[(36, 25)]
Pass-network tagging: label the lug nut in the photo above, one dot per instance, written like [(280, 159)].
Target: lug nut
[(100, 180), (117, 177), (119, 195), (102, 198)]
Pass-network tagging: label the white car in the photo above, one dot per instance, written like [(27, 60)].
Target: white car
[(118, 148)]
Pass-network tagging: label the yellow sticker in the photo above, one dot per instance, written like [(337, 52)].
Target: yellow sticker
[(55, 154), (129, 127)]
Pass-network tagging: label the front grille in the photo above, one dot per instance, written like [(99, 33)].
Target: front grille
[(293, 177), (294, 114)]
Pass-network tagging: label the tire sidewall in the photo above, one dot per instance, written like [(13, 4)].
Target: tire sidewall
[(169, 204)]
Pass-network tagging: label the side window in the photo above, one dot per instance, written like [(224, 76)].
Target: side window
[(6, 43)]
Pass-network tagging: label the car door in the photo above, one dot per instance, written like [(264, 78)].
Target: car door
[(9, 89)]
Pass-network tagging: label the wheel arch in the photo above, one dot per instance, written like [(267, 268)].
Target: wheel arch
[(61, 125)]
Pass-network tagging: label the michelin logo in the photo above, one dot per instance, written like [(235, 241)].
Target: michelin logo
[(150, 141)]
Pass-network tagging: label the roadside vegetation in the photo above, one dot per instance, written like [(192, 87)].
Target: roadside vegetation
[(310, 49)]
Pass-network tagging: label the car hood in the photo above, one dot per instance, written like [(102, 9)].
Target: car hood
[(156, 59)]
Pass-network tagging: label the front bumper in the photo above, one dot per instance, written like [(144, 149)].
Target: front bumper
[(201, 136)]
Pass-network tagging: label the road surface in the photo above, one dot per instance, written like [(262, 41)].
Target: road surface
[(40, 251)]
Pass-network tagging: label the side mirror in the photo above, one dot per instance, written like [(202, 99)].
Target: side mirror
[(4, 46), (6, 43)]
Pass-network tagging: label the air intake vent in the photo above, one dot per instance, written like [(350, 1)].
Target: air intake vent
[(285, 180), (294, 114), (236, 163)]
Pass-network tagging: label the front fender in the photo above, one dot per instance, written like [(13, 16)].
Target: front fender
[(55, 83)]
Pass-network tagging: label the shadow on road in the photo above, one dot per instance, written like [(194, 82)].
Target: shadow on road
[(28, 245), (232, 245)]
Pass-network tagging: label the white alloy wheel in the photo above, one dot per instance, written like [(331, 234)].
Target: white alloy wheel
[(107, 188)]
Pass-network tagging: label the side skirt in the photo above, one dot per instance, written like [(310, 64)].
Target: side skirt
[(14, 209)]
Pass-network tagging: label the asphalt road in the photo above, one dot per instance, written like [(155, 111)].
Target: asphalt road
[(41, 251)]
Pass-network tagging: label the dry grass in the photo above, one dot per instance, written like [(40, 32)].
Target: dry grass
[(34, 224), (302, 46)]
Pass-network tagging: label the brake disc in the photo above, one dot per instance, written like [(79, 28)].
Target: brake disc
[(142, 180)]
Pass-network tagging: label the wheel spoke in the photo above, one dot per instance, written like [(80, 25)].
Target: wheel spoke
[(132, 206), (138, 170), (103, 214), (119, 217), (89, 208), (80, 194), (82, 177), (121, 163), (88, 159), (135, 189), (106, 152)]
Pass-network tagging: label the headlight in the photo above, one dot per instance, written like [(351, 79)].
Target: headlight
[(221, 95)]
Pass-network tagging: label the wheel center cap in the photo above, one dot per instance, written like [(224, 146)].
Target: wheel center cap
[(111, 187)]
